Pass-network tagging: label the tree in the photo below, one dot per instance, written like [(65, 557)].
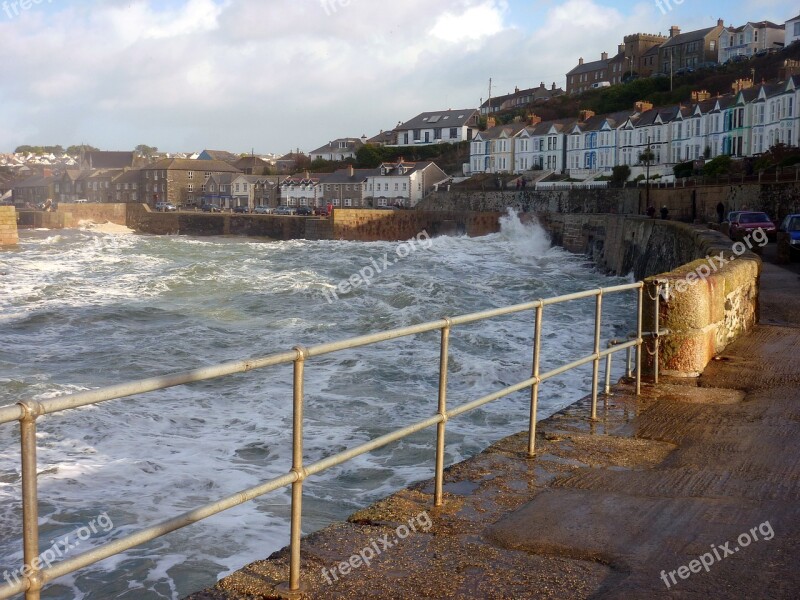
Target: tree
[(368, 157), (620, 174), (76, 150), (647, 157), (721, 165), (682, 170), (146, 151)]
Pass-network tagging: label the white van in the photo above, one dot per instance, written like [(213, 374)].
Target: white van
[(81, 201), (601, 84)]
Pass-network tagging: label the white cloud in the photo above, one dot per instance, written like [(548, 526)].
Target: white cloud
[(474, 23), (275, 75)]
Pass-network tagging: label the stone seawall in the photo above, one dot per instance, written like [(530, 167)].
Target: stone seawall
[(377, 225), (8, 226), (709, 285), (684, 203), (347, 224)]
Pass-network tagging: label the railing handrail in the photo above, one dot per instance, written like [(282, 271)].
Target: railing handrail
[(27, 413)]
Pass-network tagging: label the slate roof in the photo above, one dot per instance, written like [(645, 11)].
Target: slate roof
[(108, 160), (186, 164), (332, 147), (443, 118), (689, 36)]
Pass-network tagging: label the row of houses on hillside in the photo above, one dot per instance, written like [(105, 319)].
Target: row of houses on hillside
[(645, 54), (746, 122), (187, 182), (436, 127), (400, 183)]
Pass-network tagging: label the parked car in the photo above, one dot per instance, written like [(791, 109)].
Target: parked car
[(658, 75), (321, 211), (262, 210), (732, 215), (166, 207), (243, 210), (708, 65), (304, 211), (747, 222), (791, 226), (684, 71), (212, 208), (283, 210)]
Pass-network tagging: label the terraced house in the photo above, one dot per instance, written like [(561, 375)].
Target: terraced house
[(746, 122), (179, 181)]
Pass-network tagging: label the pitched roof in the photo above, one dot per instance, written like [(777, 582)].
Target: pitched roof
[(250, 162), (108, 160), (689, 36), (445, 118), (218, 155), (343, 176), (384, 137), (351, 144), (35, 181), (129, 176), (589, 67), (186, 164)]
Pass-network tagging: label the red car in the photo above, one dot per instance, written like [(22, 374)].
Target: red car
[(746, 223)]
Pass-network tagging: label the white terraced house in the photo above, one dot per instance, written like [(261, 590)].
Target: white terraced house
[(747, 122)]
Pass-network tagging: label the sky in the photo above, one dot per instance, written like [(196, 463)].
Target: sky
[(276, 75)]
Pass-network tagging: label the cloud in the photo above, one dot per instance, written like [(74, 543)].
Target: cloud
[(276, 75)]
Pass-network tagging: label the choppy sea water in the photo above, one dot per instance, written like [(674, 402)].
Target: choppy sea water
[(80, 310)]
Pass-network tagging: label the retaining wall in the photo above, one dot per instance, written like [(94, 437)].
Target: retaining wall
[(710, 286), (685, 204), (8, 226)]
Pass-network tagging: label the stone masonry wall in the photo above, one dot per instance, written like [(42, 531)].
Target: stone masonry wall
[(709, 286), (8, 226)]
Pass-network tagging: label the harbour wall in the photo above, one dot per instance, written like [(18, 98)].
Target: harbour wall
[(8, 226), (709, 285), (684, 203)]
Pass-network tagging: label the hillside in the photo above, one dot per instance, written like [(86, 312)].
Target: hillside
[(657, 89)]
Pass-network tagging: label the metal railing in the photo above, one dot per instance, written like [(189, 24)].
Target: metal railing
[(34, 577)]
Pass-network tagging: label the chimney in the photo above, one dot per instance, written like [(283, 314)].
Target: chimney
[(642, 106), (535, 119), (516, 89), (700, 96), (491, 122), (720, 23), (621, 49), (674, 31), (554, 86), (585, 115), (541, 85), (741, 84), (580, 61), (604, 56), (307, 175)]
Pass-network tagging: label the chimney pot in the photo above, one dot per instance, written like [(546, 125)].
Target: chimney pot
[(580, 61), (604, 56)]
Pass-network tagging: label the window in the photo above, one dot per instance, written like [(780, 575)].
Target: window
[(348, 202), (453, 133), (797, 29), (191, 174), (191, 187)]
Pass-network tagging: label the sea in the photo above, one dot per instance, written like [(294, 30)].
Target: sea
[(87, 308)]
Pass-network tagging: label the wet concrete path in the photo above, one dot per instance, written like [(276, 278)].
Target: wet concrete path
[(690, 491)]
